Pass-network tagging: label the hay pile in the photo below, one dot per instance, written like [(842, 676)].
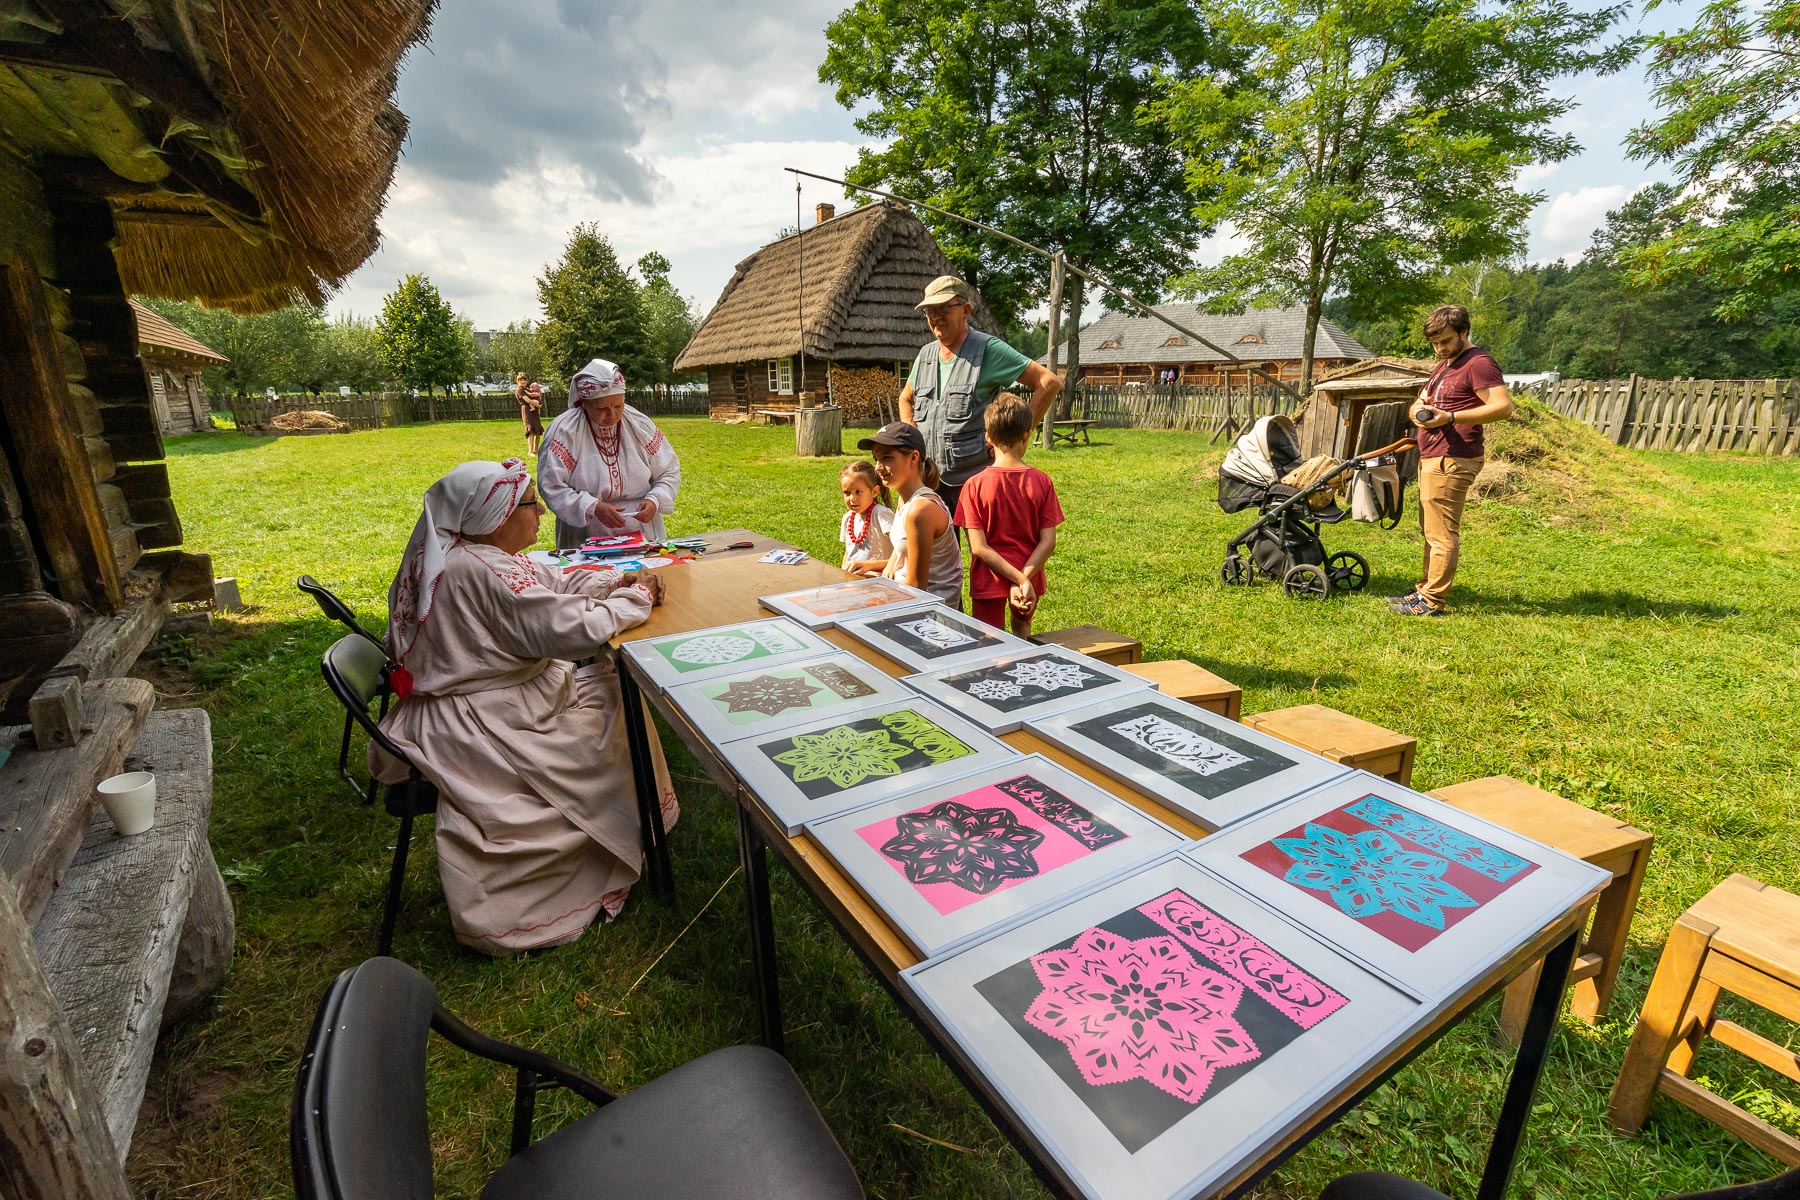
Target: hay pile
[(308, 421), (1542, 459)]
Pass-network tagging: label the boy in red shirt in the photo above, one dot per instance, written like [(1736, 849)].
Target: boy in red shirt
[(1011, 514)]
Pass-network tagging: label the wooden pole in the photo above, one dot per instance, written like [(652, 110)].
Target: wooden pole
[(1056, 288), (800, 294), (54, 1144)]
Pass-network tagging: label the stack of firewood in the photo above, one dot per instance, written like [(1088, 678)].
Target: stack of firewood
[(865, 394)]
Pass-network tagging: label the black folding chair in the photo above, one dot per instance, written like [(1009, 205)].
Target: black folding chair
[(736, 1122), (334, 607), (355, 670), (1378, 1185)]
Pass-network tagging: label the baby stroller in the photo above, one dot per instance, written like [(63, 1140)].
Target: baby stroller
[(1283, 543)]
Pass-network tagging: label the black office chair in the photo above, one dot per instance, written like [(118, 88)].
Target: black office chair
[(1378, 1185), (736, 1122), (355, 668), (334, 607)]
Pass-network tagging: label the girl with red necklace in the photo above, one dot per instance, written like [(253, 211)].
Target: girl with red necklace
[(867, 526)]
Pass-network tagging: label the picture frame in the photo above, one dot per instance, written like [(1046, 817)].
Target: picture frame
[(1449, 895), (949, 861), (1203, 765), (808, 772), (1005, 691), (761, 699), (831, 604), (1260, 1023), (723, 649), (932, 639)]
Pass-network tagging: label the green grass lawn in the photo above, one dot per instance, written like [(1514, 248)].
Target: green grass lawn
[(1623, 634)]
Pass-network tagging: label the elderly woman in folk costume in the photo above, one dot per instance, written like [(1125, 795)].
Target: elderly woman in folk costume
[(537, 823), (605, 467)]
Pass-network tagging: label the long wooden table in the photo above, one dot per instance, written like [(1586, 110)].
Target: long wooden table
[(721, 589)]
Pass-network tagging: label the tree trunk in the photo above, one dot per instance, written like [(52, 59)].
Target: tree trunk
[(1066, 401), (430, 405), (1314, 305), (54, 1144), (819, 432)]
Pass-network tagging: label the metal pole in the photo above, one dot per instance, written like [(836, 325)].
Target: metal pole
[(1056, 288), (1098, 282)]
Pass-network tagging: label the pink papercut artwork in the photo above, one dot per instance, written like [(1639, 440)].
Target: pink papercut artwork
[(1285, 987), (1140, 1008)]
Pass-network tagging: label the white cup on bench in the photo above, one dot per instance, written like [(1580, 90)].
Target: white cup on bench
[(130, 800)]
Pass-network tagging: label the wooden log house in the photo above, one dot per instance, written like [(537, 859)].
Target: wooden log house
[(173, 360), (235, 154), (1124, 348), (853, 339)]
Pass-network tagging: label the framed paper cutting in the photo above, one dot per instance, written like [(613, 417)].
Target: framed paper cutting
[(705, 653), (932, 638), (1424, 893), (1161, 1031), (1005, 691), (1197, 762), (833, 603), (858, 757), (761, 699), (951, 860)]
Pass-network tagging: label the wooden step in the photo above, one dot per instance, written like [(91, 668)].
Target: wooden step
[(108, 937)]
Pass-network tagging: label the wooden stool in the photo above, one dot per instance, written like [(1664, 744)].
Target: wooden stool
[(1604, 841), (1742, 937), (1103, 644), (1188, 681), (1342, 738)]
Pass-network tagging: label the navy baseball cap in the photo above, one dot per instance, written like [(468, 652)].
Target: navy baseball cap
[(897, 434)]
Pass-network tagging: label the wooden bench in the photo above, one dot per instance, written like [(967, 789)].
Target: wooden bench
[(1742, 937), (1103, 644), (1342, 738), (1069, 430), (1593, 837), (1193, 683), (776, 416)]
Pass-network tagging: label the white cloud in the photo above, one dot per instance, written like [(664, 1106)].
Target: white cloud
[(1566, 225)]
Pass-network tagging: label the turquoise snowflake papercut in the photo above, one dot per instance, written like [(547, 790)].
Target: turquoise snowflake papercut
[(1370, 872)]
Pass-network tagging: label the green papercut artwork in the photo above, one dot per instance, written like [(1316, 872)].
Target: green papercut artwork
[(741, 643), (754, 697), (845, 756)]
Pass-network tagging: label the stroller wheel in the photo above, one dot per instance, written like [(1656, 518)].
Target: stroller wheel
[(1348, 570), (1304, 581), (1236, 571)]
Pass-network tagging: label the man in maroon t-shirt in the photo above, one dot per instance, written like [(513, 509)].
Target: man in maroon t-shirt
[(1465, 392)]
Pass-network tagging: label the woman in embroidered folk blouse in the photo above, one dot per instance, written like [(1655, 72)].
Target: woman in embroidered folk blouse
[(537, 825), (605, 467)]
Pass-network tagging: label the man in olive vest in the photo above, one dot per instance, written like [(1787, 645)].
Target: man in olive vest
[(954, 379)]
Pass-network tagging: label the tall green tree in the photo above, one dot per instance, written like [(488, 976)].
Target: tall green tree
[(592, 308), (669, 320), (350, 354), (419, 339), (1730, 92), (513, 349), (1027, 115), (278, 349), (1374, 142)]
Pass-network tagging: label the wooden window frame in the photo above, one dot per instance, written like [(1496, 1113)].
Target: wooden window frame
[(779, 369)]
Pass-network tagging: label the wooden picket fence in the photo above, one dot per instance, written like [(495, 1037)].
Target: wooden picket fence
[(1761, 416), (1178, 406), (380, 410)]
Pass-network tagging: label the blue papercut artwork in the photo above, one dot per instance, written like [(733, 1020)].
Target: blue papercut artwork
[(1368, 873), (1478, 856)]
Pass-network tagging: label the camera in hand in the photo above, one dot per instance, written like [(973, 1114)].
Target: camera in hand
[(1426, 413)]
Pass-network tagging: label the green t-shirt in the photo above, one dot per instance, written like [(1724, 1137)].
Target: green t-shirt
[(1001, 367)]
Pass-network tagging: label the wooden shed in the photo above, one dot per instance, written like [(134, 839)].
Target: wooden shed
[(173, 360), (232, 153), (1361, 406), (856, 331)]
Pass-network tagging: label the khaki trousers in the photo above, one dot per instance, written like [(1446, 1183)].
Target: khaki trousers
[(1443, 489)]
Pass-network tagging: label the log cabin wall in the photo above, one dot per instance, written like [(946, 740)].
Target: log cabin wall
[(741, 389)]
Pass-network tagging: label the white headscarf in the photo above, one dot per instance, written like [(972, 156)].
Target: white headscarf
[(599, 378), (474, 498)]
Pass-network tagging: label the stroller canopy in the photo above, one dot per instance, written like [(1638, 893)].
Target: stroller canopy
[(1269, 451)]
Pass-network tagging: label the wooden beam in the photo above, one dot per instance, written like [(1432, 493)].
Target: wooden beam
[(95, 41), (54, 1142), (55, 475)]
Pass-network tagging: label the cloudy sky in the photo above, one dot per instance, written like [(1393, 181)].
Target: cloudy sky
[(668, 122)]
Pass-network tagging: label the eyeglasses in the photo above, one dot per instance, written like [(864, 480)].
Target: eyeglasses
[(534, 502)]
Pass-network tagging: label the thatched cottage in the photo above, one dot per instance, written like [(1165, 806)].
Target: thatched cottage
[(851, 335), (173, 360), (1123, 348)]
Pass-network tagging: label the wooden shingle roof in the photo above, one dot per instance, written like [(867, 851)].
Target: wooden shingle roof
[(1259, 335), (156, 335), (864, 271)]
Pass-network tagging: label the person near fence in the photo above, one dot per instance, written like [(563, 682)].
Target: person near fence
[(925, 553), (868, 523), (531, 401), (955, 377), (1011, 513), (1464, 392), (605, 467), (537, 822)]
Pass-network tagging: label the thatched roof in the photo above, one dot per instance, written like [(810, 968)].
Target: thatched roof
[(1259, 335), (864, 272), (159, 339), (246, 148)]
